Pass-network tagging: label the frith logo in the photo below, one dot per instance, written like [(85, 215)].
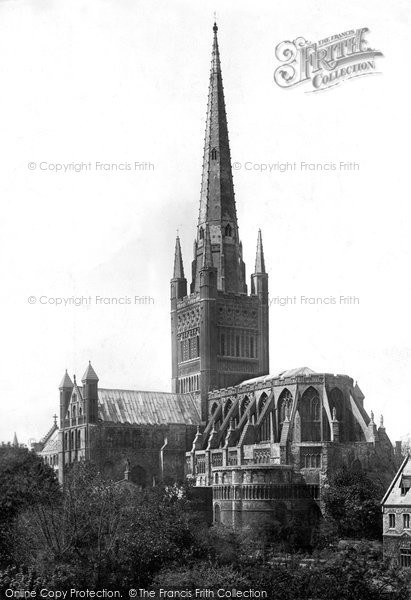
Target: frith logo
[(326, 63)]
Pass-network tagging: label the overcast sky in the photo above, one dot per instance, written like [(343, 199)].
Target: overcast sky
[(125, 81)]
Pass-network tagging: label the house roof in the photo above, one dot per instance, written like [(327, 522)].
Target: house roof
[(393, 495), (148, 408)]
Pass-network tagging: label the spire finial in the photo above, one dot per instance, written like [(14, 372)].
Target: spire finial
[(215, 28)]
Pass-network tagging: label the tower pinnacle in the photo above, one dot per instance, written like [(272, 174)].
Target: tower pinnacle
[(259, 257), (178, 261)]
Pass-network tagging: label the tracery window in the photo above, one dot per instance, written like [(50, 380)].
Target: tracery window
[(310, 413)]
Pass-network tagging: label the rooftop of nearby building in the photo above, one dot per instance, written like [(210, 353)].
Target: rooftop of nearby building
[(399, 492)]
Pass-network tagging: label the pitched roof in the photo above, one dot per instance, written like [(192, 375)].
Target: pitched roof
[(148, 408), (52, 444), (393, 495)]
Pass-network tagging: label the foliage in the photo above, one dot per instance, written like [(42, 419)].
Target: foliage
[(106, 534), (352, 502), (201, 575), (353, 574), (100, 534), (24, 481)]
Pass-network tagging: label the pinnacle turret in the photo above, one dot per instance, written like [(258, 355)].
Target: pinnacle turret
[(66, 382), (90, 374), (259, 257), (178, 272)]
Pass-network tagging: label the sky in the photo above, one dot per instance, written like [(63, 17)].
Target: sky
[(97, 83)]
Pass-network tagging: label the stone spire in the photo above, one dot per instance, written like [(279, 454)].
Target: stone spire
[(178, 261), (217, 202), (259, 257), (15, 440)]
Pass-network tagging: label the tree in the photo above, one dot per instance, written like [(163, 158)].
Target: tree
[(352, 502), (106, 534), (25, 480)]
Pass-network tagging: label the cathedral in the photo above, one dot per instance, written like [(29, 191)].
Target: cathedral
[(259, 446)]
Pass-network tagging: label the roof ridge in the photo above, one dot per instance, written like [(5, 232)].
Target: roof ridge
[(48, 435)]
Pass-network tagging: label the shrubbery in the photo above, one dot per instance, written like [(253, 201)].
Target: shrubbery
[(98, 534)]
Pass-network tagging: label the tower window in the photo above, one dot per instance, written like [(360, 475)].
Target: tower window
[(201, 233), (252, 347), (391, 520), (213, 154), (228, 231), (406, 520), (222, 344)]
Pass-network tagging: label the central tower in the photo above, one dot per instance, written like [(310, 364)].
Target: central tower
[(219, 332)]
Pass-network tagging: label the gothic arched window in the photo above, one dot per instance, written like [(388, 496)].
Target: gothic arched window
[(262, 402), (310, 412), (227, 407), (244, 405), (201, 233), (213, 154), (315, 409), (228, 231), (222, 344)]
